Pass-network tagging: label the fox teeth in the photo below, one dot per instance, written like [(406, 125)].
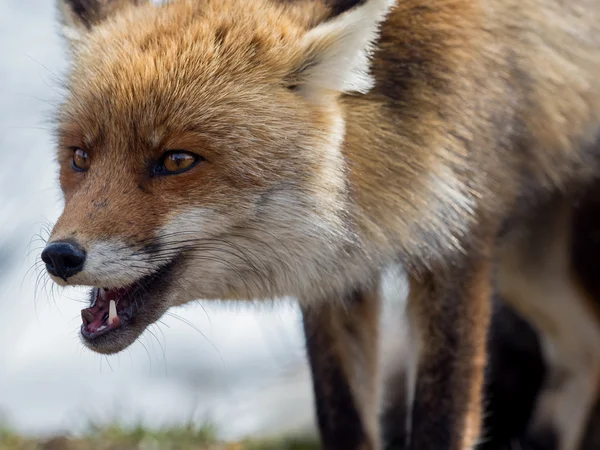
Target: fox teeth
[(112, 311)]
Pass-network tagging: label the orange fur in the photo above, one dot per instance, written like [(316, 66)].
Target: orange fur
[(336, 141)]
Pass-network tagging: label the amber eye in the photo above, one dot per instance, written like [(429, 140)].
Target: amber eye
[(81, 160), (176, 161)]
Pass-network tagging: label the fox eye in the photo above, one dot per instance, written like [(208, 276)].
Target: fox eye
[(176, 161), (81, 160)]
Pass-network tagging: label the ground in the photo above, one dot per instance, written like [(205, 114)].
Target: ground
[(116, 438)]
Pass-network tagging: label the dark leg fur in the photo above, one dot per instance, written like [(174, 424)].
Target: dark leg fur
[(514, 376), (586, 248), (393, 418), (342, 343), (449, 313)]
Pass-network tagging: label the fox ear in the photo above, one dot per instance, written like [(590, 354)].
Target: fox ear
[(337, 52), (80, 16)]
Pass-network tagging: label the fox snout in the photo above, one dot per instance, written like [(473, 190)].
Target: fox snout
[(64, 259), (129, 287)]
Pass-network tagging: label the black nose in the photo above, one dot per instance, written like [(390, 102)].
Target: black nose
[(63, 258)]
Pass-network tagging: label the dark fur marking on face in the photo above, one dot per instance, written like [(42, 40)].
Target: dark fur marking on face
[(100, 204), (151, 248)]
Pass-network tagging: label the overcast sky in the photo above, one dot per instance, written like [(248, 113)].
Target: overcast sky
[(244, 369)]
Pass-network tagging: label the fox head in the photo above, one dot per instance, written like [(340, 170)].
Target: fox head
[(201, 153)]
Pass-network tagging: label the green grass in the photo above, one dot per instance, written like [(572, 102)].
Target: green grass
[(115, 437), (10, 441), (187, 437)]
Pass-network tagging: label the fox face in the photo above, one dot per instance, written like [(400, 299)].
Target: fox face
[(200, 154)]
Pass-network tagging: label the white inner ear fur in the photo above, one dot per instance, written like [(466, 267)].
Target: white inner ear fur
[(342, 48)]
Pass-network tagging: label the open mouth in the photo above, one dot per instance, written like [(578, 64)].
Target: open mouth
[(132, 308), (110, 309)]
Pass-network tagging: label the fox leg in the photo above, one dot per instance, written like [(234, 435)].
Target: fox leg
[(342, 346), (448, 314), (535, 277)]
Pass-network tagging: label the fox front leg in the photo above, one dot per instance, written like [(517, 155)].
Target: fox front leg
[(342, 346), (449, 315)]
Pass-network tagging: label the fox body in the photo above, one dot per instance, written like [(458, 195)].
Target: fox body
[(252, 150)]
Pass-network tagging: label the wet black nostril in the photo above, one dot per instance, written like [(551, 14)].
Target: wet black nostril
[(46, 256), (64, 258)]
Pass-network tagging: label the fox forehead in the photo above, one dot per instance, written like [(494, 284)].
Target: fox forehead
[(206, 50), (151, 72), (205, 35)]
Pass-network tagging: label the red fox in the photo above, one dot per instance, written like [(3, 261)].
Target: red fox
[(234, 149)]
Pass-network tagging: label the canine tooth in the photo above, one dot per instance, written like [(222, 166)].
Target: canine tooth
[(112, 311)]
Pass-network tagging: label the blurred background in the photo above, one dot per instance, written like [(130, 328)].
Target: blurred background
[(241, 369)]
